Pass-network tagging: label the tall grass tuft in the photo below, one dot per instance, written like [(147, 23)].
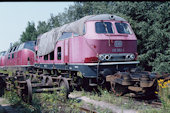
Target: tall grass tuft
[(164, 95)]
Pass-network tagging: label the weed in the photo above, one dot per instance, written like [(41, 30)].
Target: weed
[(42, 103), (164, 96)]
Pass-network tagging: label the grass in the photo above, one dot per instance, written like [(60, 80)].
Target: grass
[(43, 103), (109, 97), (18, 104), (53, 103), (6, 72), (98, 109), (49, 103), (164, 95)]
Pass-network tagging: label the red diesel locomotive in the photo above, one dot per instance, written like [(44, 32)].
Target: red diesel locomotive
[(19, 57)]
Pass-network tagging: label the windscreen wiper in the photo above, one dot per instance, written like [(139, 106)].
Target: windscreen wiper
[(105, 25)]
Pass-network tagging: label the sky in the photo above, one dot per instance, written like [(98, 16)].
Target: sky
[(14, 17)]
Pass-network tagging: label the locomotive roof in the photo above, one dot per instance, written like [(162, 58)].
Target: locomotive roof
[(47, 41), (106, 17)]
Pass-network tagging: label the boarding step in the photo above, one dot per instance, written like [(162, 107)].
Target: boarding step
[(92, 84)]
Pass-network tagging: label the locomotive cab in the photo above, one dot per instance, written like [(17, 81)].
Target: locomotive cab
[(110, 41)]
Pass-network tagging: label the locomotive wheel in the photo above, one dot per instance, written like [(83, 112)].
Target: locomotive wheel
[(118, 89), (150, 92), (8, 84), (64, 85), (49, 81), (2, 86), (44, 80), (34, 78), (27, 92)]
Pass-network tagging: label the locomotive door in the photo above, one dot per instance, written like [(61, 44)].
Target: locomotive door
[(66, 51), (19, 58)]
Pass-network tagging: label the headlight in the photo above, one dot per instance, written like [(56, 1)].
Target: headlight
[(132, 56), (101, 57), (127, 56), (107, 57)]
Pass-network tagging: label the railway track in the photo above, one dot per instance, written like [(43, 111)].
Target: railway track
[(86, 110), (155, 103)]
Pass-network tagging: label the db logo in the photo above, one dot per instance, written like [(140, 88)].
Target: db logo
[(118, 44)]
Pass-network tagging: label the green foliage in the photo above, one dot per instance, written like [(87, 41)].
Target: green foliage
[(12, 97), (52, 103), (43, 103), (16, 43), (18, 104), (30, 33), (42, 27), (109, 97), (53, 21)]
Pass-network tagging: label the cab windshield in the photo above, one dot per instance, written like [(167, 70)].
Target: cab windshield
[(30, 45), (123, 28), (2, 53), (103, 27)]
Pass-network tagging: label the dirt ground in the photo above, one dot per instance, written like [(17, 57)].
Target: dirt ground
[(115, 109), (5, 107)]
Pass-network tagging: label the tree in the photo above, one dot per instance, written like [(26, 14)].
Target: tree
[(42, 27), (16, 43), (30, 33), (53, 22)]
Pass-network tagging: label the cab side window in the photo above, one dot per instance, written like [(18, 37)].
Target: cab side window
[(46, 57), (59, 53), (9, 56), (65, 35), (52, 55), (12, 55)]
